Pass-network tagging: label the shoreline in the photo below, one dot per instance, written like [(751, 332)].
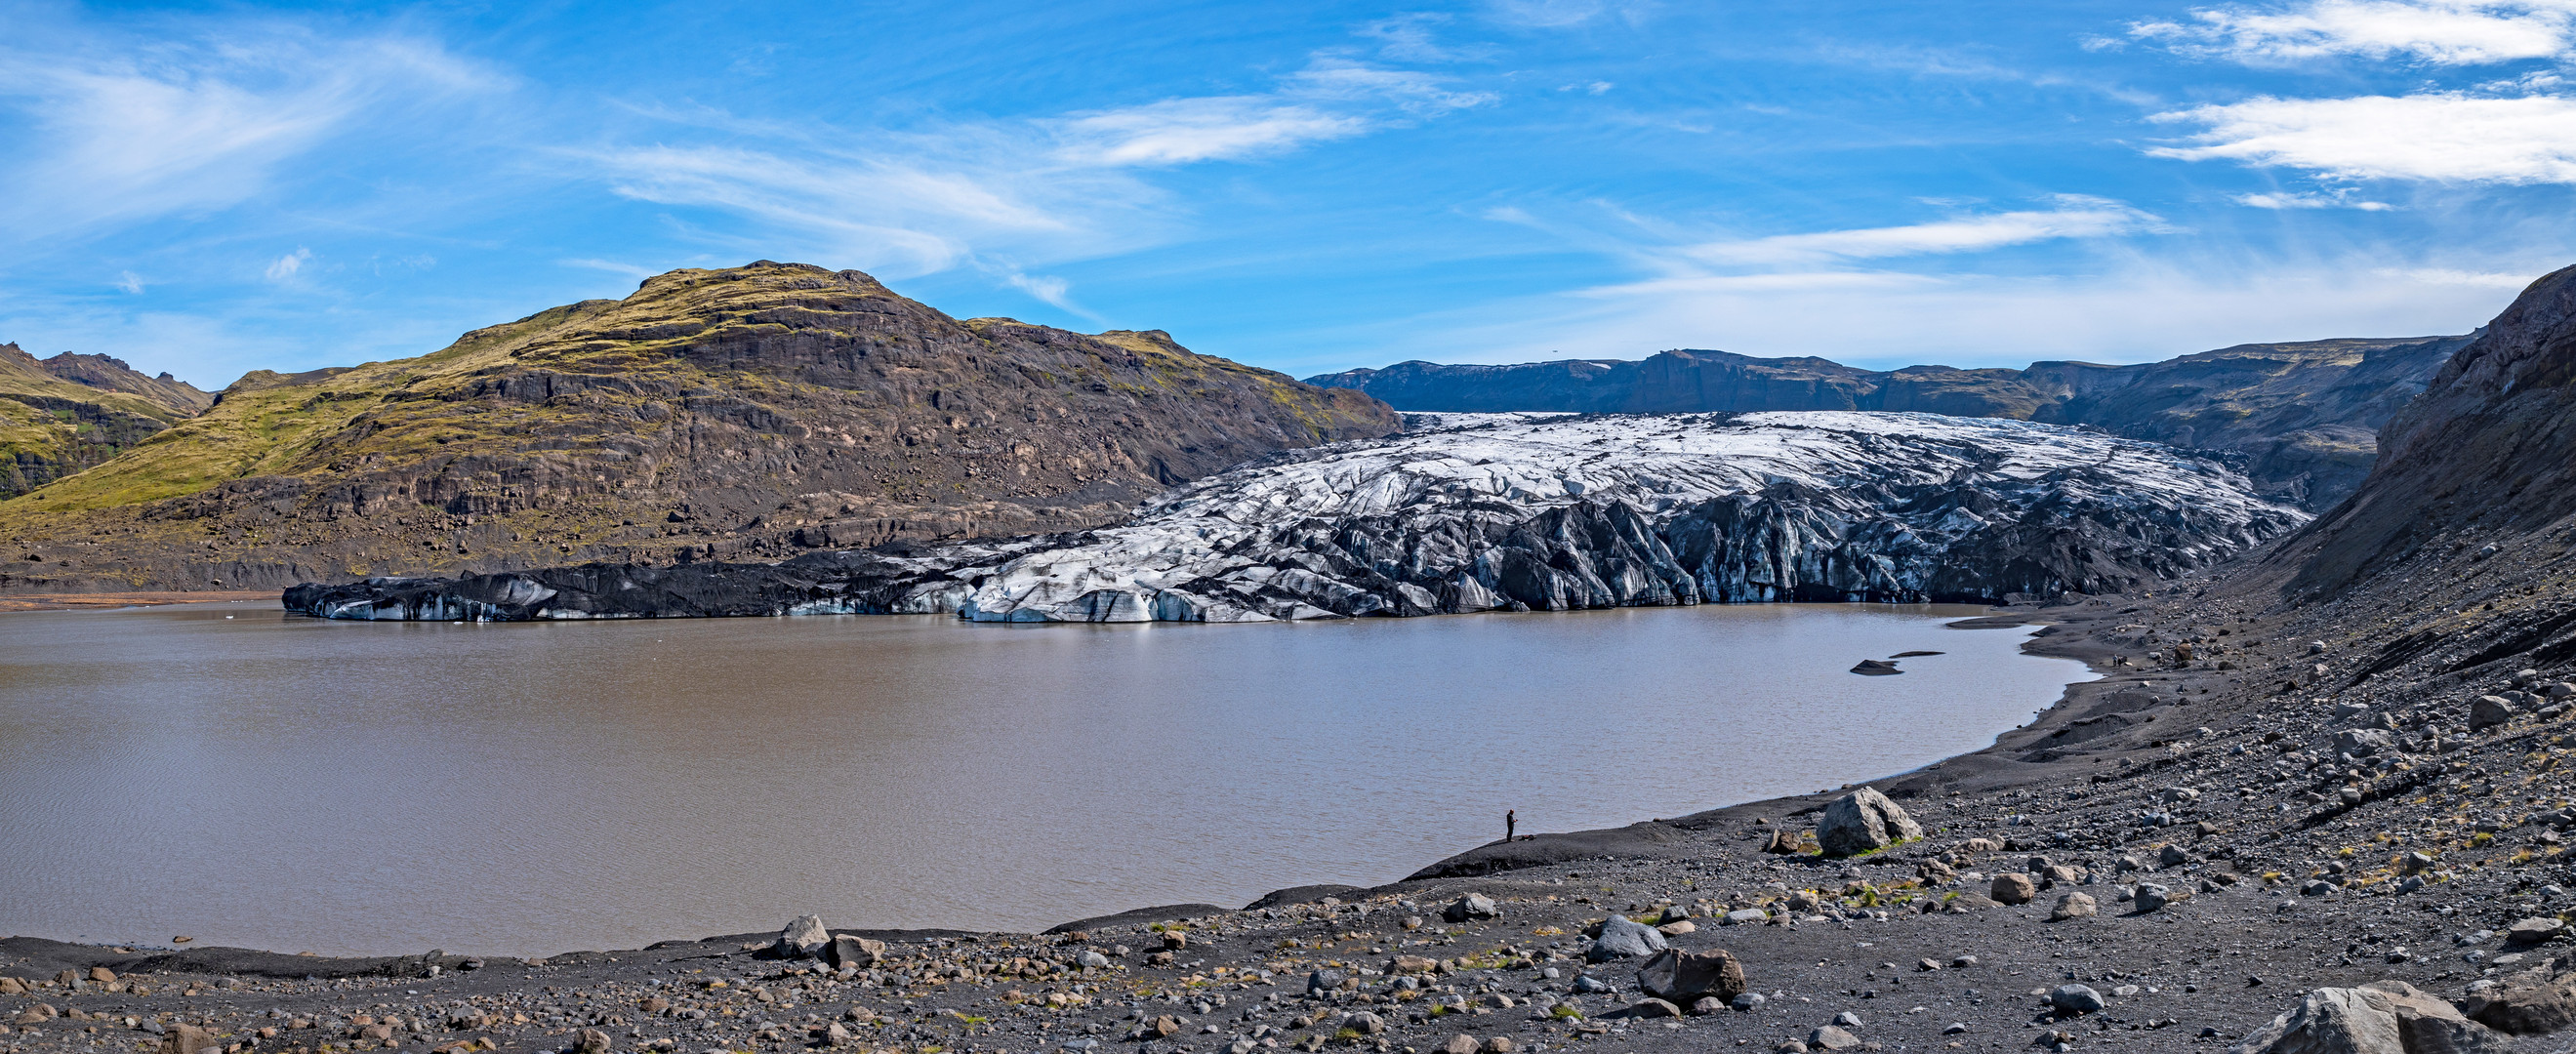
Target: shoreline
[(16, 602)]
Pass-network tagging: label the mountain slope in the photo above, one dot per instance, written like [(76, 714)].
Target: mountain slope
[(729, 413), (2476, 479), (61, 415), (2303, 413)]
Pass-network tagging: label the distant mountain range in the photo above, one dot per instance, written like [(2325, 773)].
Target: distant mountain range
[(744, 413), (2305, 415)]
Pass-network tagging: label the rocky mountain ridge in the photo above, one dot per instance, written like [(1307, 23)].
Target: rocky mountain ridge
[(61, 415), (742, 413), (2304, 414), (1506, 512)]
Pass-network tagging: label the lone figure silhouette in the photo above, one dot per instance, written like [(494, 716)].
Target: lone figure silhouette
[(1511, 823)]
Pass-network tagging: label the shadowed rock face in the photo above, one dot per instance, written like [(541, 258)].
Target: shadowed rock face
[(745, 413), (1509, 512), (2304, 414)]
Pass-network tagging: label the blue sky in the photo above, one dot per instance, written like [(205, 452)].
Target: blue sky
[(212, 189)]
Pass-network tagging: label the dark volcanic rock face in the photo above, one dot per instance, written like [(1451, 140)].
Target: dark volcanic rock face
[(1509, 513), (745, 413), (2304, 414), (2482, 466)]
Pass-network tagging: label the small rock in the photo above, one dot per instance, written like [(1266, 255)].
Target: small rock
[(1462, 1043), (2533, 931), (1364, 1023), (2074, 999), (857, 953), (1623, 938), (1653, 1007), (2013, 887), (1832, 1037), (188, 1039), (1707, 1004), (594, 1041), (1469, 908), (1682, 977), (2154, 897), (1746, 917), (2172, 856), (1847, 1019), (2489, 711), (1748, 1002)]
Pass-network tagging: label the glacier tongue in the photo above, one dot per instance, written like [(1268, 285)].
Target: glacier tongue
[(1483, 511), (1476, 512)]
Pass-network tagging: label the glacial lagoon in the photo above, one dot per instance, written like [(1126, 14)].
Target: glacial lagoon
[(231, 773)]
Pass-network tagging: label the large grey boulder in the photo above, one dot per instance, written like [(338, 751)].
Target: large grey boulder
[(1861, 821), (2530, 1003), (2489, 711), (2363, 742), (1624, 938), (1471, 907), (2382, 1017), (804, 938), (855, 953), (1684, 978)]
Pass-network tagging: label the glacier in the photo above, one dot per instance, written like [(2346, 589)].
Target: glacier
[(1509, 512)]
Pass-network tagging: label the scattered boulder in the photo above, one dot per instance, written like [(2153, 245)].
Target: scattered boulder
[(1624, 938), (591, 1041), (1784, 843), (2074, 999), (2073, 906), (1684, 978), (856, 953), (1861, 821), (188, 1039), (2489, 711), (2154, 897), (1364, 1023), (1832, 1037), (1652, 1007), (2528, 1003), (2533, 931), (803, 938), (1462, 1043), (2013, 887), (2382, 1017), (1471, 907)]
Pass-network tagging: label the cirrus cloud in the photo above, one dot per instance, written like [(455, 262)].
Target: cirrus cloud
[(2444, 32)]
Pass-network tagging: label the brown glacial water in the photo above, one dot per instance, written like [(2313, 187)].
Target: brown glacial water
[(246, 778)]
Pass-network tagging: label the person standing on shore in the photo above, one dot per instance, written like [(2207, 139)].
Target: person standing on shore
[(1511, 824)]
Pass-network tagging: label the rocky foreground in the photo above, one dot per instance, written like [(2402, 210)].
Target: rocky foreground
[(1516, 512)]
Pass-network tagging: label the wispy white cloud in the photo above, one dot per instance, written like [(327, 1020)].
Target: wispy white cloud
[(2449, 137), (2446, 32), (2279, 200), (1004, 195), (1559, 14), (114, 131), (130, 282), (1184, 131), (610, 266), (2074, 217), (2445, 276), (287, 266)]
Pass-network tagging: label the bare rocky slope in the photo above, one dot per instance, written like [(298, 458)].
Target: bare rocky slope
[(67, 413), (743, 413), (2303, 414)]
